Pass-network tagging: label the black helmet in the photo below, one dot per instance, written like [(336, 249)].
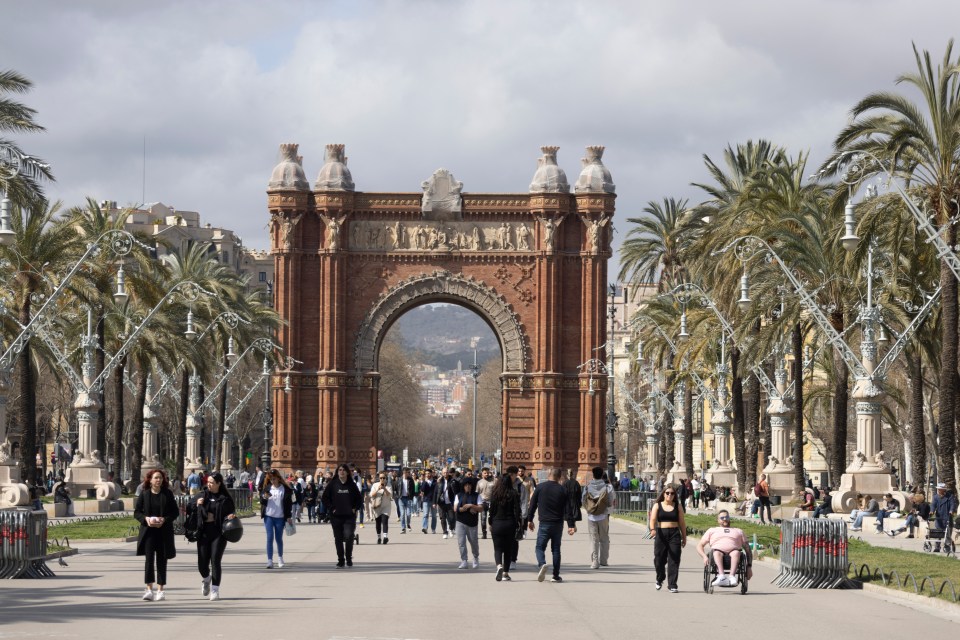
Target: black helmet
[(232, 529)]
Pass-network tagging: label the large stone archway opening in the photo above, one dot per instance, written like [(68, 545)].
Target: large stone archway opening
[(348, 264)]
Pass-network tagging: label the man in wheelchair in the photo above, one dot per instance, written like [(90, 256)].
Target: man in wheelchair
[(725, 542)]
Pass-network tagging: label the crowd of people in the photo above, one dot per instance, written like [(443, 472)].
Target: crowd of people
[(507, 508)]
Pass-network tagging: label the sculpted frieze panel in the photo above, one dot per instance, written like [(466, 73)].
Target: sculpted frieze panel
[(382, 235)]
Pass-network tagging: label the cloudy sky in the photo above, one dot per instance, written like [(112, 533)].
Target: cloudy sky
[(475, 87)]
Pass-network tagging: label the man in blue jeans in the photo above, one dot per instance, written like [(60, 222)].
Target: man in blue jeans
[(551, 500), (428, 491), (404, 496)]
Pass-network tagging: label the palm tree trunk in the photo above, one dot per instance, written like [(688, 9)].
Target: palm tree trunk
[(27, 413), (798, 476), (180, 448), (841, 401), (136, 457), (688, 429), (739, 441), (102, 412), (116, 420), (751, 428), (918, 440), (948, 368)]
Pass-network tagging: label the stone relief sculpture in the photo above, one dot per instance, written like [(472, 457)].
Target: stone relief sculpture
[(859, 459), (441, 196), (596, 238), (333, 231), (881, 461), (549, 233), (370, 235), (523, 235), (286, 226)]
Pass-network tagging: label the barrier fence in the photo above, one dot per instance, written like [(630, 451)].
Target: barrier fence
[(23, 543), (813, 554), (635, 501)]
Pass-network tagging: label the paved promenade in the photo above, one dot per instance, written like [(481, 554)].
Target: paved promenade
[(411, 588)]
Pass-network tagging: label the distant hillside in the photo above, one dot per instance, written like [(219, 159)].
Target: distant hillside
[(441, 334)]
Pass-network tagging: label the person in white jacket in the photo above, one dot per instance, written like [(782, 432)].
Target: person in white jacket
[(381, 503), (598, 501)]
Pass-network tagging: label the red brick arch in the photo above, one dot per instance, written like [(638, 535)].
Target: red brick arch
[(348, 264)]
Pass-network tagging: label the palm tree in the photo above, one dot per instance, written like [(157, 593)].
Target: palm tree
[(41, 243), (921, 142), (653, 250), (23, 189)]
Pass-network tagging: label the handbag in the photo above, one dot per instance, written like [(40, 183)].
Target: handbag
[(376, 501), (290, 529)]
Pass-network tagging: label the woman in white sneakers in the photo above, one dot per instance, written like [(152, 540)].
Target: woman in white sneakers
[(381, 504), (156, 509)]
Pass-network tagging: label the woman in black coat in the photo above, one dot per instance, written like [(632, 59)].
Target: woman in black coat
[(155, 510), (505, 521), (215, 505)]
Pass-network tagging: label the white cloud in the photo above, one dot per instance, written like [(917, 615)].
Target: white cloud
[(475, 87)]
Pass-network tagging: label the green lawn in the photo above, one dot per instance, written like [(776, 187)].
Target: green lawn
[(94, 529), (892, 562)]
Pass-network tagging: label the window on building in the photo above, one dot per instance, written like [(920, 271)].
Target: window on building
[(263, 276)]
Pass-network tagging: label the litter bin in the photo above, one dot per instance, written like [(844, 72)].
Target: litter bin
[(775, 501)]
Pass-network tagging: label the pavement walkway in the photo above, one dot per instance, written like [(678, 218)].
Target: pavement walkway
[(411, 588)]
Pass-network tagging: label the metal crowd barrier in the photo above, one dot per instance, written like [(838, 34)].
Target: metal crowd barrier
[(23, 543), (634, 501), (813, 554), (242, 501)]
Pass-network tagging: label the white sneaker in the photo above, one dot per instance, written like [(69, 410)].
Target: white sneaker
[(542, 573), (476, 564), (732, 581), (215, 594), (445, 536), (269, 564), (280, 564), (148, 595), (160, 596), (717, 582), (205, 586), (462, 565)]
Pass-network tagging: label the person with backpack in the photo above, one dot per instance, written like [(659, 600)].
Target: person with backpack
[(598, 501), (214, 505)]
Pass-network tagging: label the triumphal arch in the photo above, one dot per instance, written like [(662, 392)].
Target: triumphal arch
[(349, 263)]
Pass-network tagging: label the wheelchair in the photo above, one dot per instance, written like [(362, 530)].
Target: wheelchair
[(710, 571)]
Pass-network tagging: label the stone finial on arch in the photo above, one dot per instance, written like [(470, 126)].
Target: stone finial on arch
[(440, 286)]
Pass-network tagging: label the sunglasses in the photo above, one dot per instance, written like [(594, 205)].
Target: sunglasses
[(669, 493), (723, 518)]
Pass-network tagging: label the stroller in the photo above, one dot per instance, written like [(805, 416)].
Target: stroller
[(940, 540)]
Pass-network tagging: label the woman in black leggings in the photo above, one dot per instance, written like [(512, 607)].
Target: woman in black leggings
[(505, 520), (215, 506), (670, 536)]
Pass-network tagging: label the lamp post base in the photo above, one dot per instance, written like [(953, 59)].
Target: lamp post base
[(13, 493), (91, 478), (872, 482)]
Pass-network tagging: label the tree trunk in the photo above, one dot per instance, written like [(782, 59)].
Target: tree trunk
[(116, 421), (27, 413), (180, 448), (688, 429), (136, 457), (102, 412), (739, 442), (767, 429), (752, 428), (918, 440), (841, 401), (799, 481)]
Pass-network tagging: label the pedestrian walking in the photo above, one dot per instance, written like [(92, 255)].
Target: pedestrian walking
[(762, 491), (215, 506), (405, 496), (310, 496), (505, 522), (670, 536), (156, 509), (551, 498), (484, 489), (468, 507), (428, 496), (342, 499), (381, 504), (447, 490), (598, 498), (276, 509)]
